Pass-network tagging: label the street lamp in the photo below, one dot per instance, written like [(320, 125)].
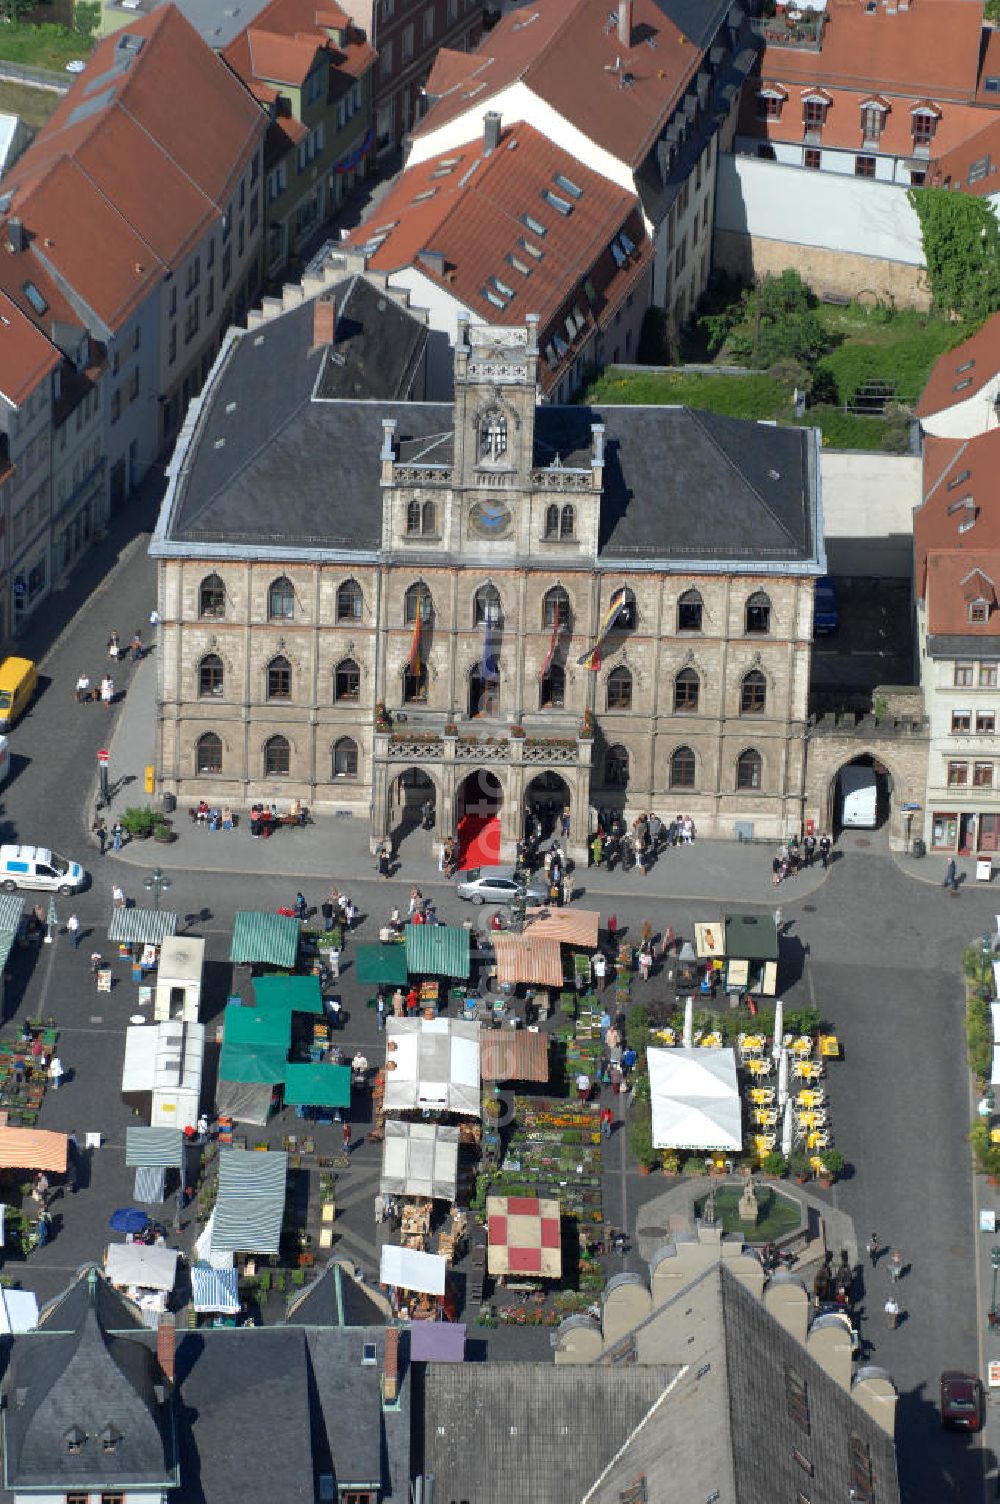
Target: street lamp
[(156, 883), (995, 1261)]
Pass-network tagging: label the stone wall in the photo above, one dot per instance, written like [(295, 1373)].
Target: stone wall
[(842, 273), (901, 746)]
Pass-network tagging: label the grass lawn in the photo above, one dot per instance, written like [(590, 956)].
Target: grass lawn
[(33, 105), (41, 46), (900, 350)]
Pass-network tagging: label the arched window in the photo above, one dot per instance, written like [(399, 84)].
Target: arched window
[(758, 614), (552, 521), (748, 769), (553, 688), (492, 436), (349, 601), (616, 768), (415, 685), (428, 518), (346, 680), (687, 688), (276, 757), (212, 598), (682, 768), (345, 758), (484, 694), (488, 606), (753, 693), (210, 677), (419, 592), (567, 522), (413, 515), (279, 679), (689, 609), (555, 606), (619, 689), (281, 600), (208, 753)]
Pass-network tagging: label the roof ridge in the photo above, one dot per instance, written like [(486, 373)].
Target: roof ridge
[(698, 418)]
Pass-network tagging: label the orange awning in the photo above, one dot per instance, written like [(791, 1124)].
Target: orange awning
[(528, 958), (514, 1055), (32, 1149), (568, 926)]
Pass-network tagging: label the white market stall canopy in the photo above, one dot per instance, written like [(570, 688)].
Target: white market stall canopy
[(710, 939), (420, 1159), (18, 1311), (214, 1290), (408, 1269), (432, 1063), (162, 1071), (147, 1267), (695, 1099)]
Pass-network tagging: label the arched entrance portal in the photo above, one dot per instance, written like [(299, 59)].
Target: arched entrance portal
[(860, 795), (409, 795), (478, 803), (545, 798)]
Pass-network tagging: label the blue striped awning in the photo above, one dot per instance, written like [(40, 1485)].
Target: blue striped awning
[(215, 1289), (265, 939), (141, 926), (437, 950), (251, 1202), (150, 1185), (11, 909), (161, 1147)]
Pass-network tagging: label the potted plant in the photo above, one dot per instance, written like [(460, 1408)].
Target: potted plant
[(517, 731), (774, 1165), (833, 1165), (383, 720), (450, 728), (139, 821), (587, 726), (798, 1163), (671, 1162), (162, 831)]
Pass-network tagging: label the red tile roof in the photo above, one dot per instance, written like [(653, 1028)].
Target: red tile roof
[(136, 162), (956, 123), (568, 53), (960, 373), (954, 581), (281, 46), (460, 216), (972, 162), (960, 512), (26, 356)]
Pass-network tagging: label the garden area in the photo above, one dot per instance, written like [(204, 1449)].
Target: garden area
[(46, 45), (860, 368)]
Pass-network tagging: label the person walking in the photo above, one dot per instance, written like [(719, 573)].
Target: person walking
[(824, 850), (333, 958), (600, 966), (380, 1009), (895, 1266), (384, 854), (83, 689), (101, 832), (301, 907), (606, 1120), (107, 691), (645, 961), (583, 1086), (118, 896), (597, 850), (874, 1248), (114, 647), (951, 875), (56, 1072), (73, 930), (892, 1313), (117, 835), (136, 647), (347, 1138)]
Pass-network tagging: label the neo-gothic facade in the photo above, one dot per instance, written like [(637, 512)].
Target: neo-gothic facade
[(436, 643)]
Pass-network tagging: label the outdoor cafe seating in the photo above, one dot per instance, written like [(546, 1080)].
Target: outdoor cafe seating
[(807, 1070), (811, 1119), (764, 1142), (750, 1046), (765, 1117), (811, 1096), (818, 1139), (711, 1041), (801, 1045), (762, 1096), (759, 1068)]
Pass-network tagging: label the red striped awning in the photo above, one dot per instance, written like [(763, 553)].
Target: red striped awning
[(514, 1055), (528, 958), (32, 1149), (568, 926)]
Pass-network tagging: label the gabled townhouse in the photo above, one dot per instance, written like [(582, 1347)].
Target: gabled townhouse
[(407, 35), (956, 540), (644, 93), (509, 225), (311, 70), (135, 220), (854, 102)]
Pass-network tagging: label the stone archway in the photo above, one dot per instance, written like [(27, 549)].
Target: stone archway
[(479, 801), (859, 795), (902, 758), (409, 791), (545, 798)]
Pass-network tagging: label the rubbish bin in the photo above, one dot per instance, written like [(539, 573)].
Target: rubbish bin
[(920, 847), (169, 803)]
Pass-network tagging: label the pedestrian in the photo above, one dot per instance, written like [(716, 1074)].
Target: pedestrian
[(600, 966), (40, 1189), (83, 689), (583, 1086), (384, 855), (606, 1120), (566, 821), (891, 1313), (613, 929), (117, 835), (43, 1229), (56, 1072), (347, 1138), (597, 850), (645, 962), (101, 832), (114, 647), (326, 909), (333, 960), (874, 1248), (136, 647), (203, 1128), (777, 923), (824, 850), (117, 896), (380, 1009), (895, 1266), (412, 1000), (107, 691), (951, 875), (73, 930)]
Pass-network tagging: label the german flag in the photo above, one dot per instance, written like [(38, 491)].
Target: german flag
[(415, 663), (617, 608)]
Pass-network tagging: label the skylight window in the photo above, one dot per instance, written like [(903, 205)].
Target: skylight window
[(450, 161), (562, 205), (534, 226), (34, 297), (959, 479), (508, 292), (618, 253), (991, 83), (960, 386), (422, 197), (518, 264), (442, 172), (494, 298), (567, 185), (965, 366), (626, 244), (560, 344), (535, 251)]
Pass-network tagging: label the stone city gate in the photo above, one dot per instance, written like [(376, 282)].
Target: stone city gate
[(897, 743), (448, 761)]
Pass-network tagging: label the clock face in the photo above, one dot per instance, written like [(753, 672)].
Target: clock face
[(490, 518)]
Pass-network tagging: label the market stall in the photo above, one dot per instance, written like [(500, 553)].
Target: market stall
[(434, 951), (178, 978), (530, 959), (18, 1311), (151, 1152), (141, 1266), (416, 1281), (525, 1238), (514, 1055), (11, 917), (420, 1159), (161, 1076), (139, 933), (252, 1063), (251, 1202), (32, 1149), (283, 996), (433, 1065), (695, 1099), (214, 1291), (578, 928), (317, 1089), (438, 1342), (751, 954), (261, 939), (381, 965)]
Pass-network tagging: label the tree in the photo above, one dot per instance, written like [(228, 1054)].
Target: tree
[(778, 322), (86, 18), (961, 240)]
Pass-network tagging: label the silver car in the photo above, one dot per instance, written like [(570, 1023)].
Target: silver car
[(496, 885)]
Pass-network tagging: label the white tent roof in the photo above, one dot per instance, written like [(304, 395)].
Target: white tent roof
[(695, 1098), (420, 1159), (995, 1010), (141, 1264), (182, 958), (18, 1311), (995, 1072), (434, 1065), (412, 1270), (163, 1057)]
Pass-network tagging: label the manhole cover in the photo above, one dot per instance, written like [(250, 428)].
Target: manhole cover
[(861, 841), (808, 908)]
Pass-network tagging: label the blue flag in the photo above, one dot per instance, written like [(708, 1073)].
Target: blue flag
[(490, 668)]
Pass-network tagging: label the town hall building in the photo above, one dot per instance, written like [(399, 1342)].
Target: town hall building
[(369, 602)]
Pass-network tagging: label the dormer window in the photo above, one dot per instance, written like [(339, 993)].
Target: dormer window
[(109, 1438), (979, 612), (74, 1439), (924, 125), (814, 108), (873, 113), (769, 103)]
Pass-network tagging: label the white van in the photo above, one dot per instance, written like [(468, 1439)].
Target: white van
[(859, 798), (38, 867)]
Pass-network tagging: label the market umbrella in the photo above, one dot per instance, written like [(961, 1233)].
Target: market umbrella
[(783, 1096), (689, 1023), (779, 1026), (786, 1129), (128, 1219)]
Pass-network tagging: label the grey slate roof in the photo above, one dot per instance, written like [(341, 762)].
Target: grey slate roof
[(698, 19), (335, 1299), (964, 645)]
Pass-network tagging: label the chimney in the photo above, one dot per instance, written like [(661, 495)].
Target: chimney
[(491, 131), (324, 322), (625, 22), (165, 1334), (390, 1380), (17, 239)]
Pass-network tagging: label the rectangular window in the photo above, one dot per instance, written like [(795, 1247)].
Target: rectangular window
[(769, 107), (172, 345), (452, 11), (811, 157), (173, 301), (871, 122), (408, 43), (429, 24), (193, 275), (958, 775), (254, 211), (116, 404), (986, 722), (961, 721), (813, 114), (133, 385), (963, 675), (982, 775), (864, 167), (192, 320), (987, 675), (227, 265), (923, 129), (385, 58), (210, 298)]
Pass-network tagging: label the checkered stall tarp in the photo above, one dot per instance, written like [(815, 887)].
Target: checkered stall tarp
[(524, 1236)]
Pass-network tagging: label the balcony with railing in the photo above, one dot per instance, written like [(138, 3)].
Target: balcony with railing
[(802, 31)]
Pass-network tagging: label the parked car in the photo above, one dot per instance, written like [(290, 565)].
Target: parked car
[(963, 1401), (38, 867), (497, 885), (826, 614)]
